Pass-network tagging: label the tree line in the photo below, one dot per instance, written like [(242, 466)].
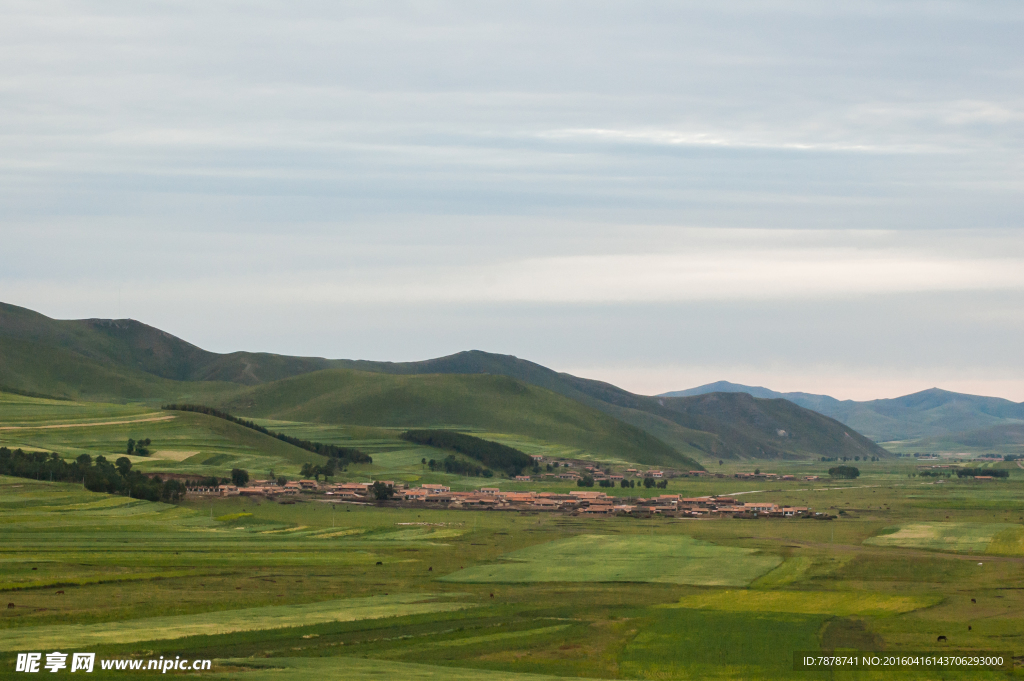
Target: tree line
[(97, 475), (457, 466), (972, 472), (507, 459), (344, 455), (844, 472)]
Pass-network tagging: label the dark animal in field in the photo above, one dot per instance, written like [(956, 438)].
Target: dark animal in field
[(941, 639), (379, 563), (35, 568), (10, 605), (968, 627), (974, 600), (61, 592), (430, 569)]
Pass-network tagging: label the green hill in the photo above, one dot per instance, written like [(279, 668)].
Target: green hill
[(732, 426), (474, 402), (120, 360)]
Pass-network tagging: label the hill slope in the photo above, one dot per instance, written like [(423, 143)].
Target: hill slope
[(929, 413), (123, 354), (492, 403), (709, 429), (125, 359)]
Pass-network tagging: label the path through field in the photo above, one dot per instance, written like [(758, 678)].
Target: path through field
[(87, 425)]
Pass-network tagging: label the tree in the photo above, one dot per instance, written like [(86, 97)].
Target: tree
[(720, 462), (172, 491), (423, 461), (663, 484), (632, 484), (131, 446), (624, 484), (381, 492), (585, 481), (239, 477), (649, 482), (844, 472), (757, 471), (123, 466), (307, 470)]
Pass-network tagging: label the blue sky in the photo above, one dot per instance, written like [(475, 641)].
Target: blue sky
[(792, 194)]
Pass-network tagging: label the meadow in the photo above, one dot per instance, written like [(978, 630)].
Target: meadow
[(347, 591)]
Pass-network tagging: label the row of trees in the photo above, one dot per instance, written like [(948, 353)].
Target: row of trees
[(99, 475), (345, 455), (491, 454), (844, 472), (848, 458), (971, 472), (453, 464), (311, 470)]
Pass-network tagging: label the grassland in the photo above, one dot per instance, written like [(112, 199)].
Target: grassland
[(605, 558), (317, 590)]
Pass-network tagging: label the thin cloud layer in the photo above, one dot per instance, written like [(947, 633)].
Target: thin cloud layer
[(512, 166)]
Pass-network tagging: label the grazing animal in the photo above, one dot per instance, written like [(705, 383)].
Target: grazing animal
[(35, 568), (941, 639), (379, 563), (61, 592), (430, 569), (10, 605), (968, 627), (974, 600), (492, 595)]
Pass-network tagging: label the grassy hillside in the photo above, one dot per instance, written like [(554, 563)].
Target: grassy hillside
[(181, 442), (705, 429), (493, 403), (774, 428), (121, 358)]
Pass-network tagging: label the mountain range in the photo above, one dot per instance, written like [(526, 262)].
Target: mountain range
[(126, 360), (970, 420)]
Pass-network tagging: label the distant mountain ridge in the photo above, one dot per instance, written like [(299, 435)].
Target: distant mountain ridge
[(927, 414), (129, 360)]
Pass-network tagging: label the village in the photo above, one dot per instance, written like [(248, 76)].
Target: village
[(576, 502)]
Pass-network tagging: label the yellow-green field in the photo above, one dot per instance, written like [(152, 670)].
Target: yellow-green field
[(605, 558), (359, 592)]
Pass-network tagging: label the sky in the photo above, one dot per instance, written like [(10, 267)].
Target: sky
[(814, 196)]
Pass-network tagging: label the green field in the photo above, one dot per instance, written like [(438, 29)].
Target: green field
[(958, 537), (605, 558), (345, 591)]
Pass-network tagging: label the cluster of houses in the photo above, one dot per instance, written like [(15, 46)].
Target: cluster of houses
[(575, 502)]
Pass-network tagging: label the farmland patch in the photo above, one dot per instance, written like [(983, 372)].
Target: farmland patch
[(604, 558), (838, 603), (213, 623), (951, 537)]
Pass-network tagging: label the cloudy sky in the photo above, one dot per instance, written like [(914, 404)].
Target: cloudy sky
[(660, 194)]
